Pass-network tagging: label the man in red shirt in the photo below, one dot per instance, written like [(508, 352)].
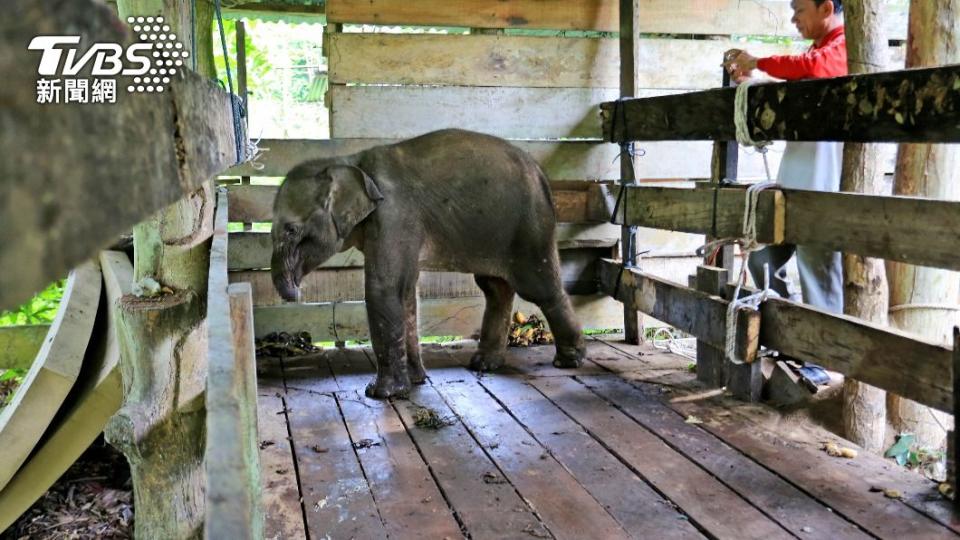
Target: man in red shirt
[(805, 165)]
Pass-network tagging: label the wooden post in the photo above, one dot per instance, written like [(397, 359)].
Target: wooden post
[(744, 378), (629, 42), (160, 428), (953, 452), (710, 360), (723, 169), (242, 88), (865, 293), (924, 300)]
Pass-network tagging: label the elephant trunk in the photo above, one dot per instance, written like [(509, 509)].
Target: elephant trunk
[(286, 277)]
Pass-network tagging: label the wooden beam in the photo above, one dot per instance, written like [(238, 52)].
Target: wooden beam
[(574, 202), (764, 17), (527, 61), (872, 225), (98, 396), (52, 375), (81, 174), (561, 160), (232, 460), (252, 250), (343, 321), (920, 105), (895, 361)]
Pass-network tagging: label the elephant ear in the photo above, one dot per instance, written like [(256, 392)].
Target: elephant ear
[(353, 196)]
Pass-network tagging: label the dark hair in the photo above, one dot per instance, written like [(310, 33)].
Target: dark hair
[(837, 5)]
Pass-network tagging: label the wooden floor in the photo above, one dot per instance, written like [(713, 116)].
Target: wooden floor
[(627, 446)]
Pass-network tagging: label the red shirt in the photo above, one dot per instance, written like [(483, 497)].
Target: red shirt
[(823, 60)]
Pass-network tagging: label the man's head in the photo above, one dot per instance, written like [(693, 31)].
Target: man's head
[(816, 18)]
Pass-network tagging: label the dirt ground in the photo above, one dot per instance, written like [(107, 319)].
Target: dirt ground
[(92, 500)]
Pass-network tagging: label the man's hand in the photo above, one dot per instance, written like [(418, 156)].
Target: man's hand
[(739, 64)]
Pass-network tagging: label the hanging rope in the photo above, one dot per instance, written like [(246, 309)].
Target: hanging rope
[(748, 238)]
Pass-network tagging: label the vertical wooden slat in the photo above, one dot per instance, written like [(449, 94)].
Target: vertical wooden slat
[(632, 323), (231, 460)]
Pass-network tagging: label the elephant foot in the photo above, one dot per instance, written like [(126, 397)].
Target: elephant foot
[(418, 375), (387, 386), (569, 357), (487, 361)]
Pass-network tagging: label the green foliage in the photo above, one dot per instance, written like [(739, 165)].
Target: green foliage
[(40, 309)]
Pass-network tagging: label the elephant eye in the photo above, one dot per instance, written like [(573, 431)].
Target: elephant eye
[(290, 229)]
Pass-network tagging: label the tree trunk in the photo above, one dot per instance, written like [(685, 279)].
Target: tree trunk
[(924, 300), (161, 426), (864, 280)]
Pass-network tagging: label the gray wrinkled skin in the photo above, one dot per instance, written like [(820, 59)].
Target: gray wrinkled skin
[(450, 200)]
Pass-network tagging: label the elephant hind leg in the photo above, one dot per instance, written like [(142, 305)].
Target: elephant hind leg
[(542, 286), (418, 375), (496, 322)]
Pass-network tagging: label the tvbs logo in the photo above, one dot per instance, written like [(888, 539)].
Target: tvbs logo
[(148, 65)]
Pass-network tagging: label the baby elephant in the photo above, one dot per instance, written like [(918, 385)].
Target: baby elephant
[(451, 200)]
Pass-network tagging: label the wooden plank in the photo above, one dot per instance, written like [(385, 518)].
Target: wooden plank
[(886, 227), (19, 345), (872, 225), (577, 266), (561, 160), (283, 515), (549, 488), (641, 511), (694, 312), (919, 105), (843, 485), (336, 497), (52, 375), (906, 364), (711, 505), (407, 497), (765, 17), (231, 460), (838, 342), (775, 497), (540, 62), (487, 510), (98, 397), (124, 160), (439, 317), (252, 250), (407, 111), (574, 202)]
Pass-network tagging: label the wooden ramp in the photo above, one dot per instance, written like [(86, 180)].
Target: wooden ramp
[(611, 450), (97, 395), (54, 371)]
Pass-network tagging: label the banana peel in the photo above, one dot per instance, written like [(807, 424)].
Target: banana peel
[(526, 331)]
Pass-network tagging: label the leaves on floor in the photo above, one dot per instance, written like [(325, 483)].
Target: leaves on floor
[(526, 331), (429, 418), (835, 450), (283, 344), (92, 500)]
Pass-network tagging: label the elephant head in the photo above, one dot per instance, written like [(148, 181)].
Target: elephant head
[(315, 210)]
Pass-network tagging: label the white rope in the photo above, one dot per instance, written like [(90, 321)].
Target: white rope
[(665, 340), (254, 153)]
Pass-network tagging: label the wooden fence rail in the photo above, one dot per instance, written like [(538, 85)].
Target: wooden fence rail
[(232, 453), (892, 360), (877, 226), (918, 105)]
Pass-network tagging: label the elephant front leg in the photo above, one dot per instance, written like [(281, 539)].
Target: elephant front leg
[(386, 318), (418, 375)]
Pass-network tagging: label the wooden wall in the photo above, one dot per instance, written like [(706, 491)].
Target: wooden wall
[(541, 89)]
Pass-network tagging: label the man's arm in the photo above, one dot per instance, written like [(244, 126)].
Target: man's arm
[(830, 61)]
